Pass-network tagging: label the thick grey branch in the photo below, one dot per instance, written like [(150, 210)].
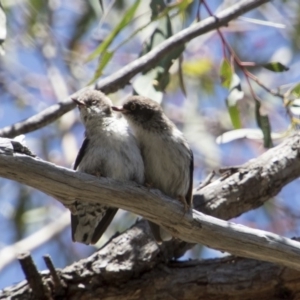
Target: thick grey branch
[(251, 185), (67, 185), (119, 79), (129, 267)]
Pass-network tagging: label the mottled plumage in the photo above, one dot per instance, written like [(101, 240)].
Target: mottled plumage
[(109, 150), (167, 157)]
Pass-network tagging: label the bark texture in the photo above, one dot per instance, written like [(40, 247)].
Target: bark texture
[(194, 227), (131, 266)]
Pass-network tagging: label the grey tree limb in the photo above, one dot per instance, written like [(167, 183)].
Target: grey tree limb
[(130, 267), (194, 227), (119, 79)]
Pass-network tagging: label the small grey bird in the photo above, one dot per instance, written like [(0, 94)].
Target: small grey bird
[(109, 150), (167, 157)]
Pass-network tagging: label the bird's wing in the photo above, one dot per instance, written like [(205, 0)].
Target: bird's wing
[(83, 223), (88, 226), (189, 195), (103, 224), (81, 153)]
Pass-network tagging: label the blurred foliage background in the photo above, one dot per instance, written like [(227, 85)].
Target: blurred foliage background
[(53, 48)]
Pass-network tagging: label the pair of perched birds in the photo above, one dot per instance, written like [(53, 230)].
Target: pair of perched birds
[(145, 147)]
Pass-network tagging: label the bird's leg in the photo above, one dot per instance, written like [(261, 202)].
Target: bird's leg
[(97, 174), (185, 204), (148, 185)]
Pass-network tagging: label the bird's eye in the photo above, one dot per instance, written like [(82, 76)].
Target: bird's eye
[(132, 106)]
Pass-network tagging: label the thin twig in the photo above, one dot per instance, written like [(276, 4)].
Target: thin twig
[(58, 284), (119, 79), (206, 181), (39, 290)]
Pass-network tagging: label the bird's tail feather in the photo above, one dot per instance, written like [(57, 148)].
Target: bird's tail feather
[(89, 225)]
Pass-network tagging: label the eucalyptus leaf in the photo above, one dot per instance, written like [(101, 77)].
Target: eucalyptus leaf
[(197, 67), (263, 123), (162, 32), (127, 17), (295, 91), (234, 114), (276, 67), (235, 94), (156, 6), (226, 73), (104, 60)]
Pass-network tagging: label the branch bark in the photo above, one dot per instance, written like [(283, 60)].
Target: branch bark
[(130, 267), (119, 79), (67, 185)]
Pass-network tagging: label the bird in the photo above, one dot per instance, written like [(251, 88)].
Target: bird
[(110, 150), (168, 159)]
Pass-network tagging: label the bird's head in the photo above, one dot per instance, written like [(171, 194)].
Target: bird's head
[(142, 111), (93, 105)]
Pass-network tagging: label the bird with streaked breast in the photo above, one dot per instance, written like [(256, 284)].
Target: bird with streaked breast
[(109, 150), (168, 159)]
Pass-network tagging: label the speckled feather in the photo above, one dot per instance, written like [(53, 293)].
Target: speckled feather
[(109, 150)]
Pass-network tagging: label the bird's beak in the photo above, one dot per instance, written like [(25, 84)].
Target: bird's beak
[(119, 109), (78, 102)]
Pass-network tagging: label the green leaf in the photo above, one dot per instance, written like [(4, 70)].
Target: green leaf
[(197, 68), (226, 73), (235, 94), (37, 10), (295, 91), (263, 123), (160, 34), (276, 67), (105, 58), (234, 114), (127, 17), (157, 6), (180, 6), (159, 77)]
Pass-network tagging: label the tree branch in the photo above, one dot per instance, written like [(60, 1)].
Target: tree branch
[(252, 184), (67, 185), (130, 267), (122, 77), (119, 79)]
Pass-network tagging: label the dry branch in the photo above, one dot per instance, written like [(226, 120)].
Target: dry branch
[(67, 185), (119, 79), (130, 267)]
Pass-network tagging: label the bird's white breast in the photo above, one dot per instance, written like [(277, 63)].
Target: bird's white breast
[(113, 152)]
